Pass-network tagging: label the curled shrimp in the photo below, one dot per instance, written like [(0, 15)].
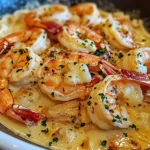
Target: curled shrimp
[(20, 65), (139, 60), (36, 39), (88, 12), (118, 34), (50, 13), (15, 112), (76, 37), (105, 109), (66, 77)]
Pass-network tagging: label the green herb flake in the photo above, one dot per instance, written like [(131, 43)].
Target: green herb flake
[(55, 139), (83, 44), (124, 119), (46, 68), (100, 52), (28, 58), (50, 143), (106, 106), (75, 63), (61, 66), (143, 40), (113, 120), (120, 55), (78, 33), (118, 118), (102, 96), (45, 131), (112, 111), (89, 103), (52, 55), (42, 82), (110, 25), (43, 123), (125, 134), (53, 94), (104, 143), (28, 135), (18, 70), (21, 51), (82, 124), (133, 126), (91, 44)]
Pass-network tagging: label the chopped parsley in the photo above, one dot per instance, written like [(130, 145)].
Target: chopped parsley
[(19, 70), (78, 33), (53, 94), (28, 135), (55, 139), (43, 123), (112, 111), (89, 103), (28, 58), (118, 118), (120, 55), (102, 96), (100, 52), (104, 143), (91, 44), (75, 63), (125, 119), (61, 66), (143, 40), (53, 70), (21, 51), (110, 25), (133, 126), (106, 106), (50, 143), (113, 120), (52, 55), (125, 134), (82, 124), (83, 44), (46, 68), (45, 131)]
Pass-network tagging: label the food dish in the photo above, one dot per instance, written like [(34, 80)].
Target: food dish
[(75, 78)]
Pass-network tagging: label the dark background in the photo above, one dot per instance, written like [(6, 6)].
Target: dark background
[(9, 6)]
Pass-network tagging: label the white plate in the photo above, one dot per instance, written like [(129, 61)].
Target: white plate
[(8, 142)]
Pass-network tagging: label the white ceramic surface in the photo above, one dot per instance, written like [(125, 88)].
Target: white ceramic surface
[(8, 142)]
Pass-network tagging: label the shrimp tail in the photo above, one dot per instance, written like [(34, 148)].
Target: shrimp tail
[(141, 78), (94, 81), (4, 44), (29, 116)]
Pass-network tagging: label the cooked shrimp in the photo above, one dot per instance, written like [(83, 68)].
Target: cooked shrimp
[(56, 13), (65, 77), (20, 65), (105, 100), (118, 34), (16, 112), (88, 12), (36, 39), (137, 60), (79, 38)]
